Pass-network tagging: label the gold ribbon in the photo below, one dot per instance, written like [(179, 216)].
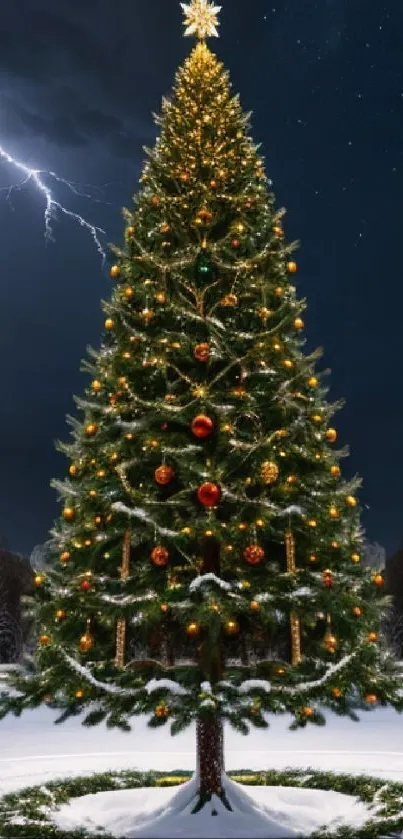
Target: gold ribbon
[(295, 623), (121, 624)]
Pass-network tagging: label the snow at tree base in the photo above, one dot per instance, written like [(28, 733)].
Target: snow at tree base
[(207, 557)]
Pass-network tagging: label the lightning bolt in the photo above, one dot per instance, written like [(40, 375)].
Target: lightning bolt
[(52, 207)]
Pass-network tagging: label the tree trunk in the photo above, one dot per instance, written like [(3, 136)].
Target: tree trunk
[(210, 729), (210, 756)]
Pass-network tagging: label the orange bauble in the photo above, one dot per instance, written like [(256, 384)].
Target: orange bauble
[(372, 637), (65, 556), (308, 711), (331, 435), (299, 323), (115, 271), (209, 494), (164, 475), (255, 606), (235, 243), (130, 232), (335, 471), (160, 556), (337, 693), (371, 698), (253, 554), (202, 427), (202, 352), (44, 640), (357, 611), (91, 429), (292, 267), (69, 513), (155, 201), (378, 580)]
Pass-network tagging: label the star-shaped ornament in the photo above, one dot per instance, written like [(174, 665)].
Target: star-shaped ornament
[(201, 19)]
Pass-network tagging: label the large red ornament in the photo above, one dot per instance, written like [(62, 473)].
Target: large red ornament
[(85, 585), (164, 475), (160, 556), (202, 427), (253, 554), (209, 494)]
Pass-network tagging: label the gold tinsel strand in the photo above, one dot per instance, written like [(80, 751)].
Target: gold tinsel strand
[(121, 624), (295, 624)]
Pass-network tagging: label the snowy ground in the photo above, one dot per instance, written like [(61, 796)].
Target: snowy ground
[(32, 750)]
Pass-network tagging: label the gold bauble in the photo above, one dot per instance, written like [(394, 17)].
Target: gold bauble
[(161, 297), (335, 471), (255, 606), (65, 556), (313, 382), (73, 469), (299, 323), (333, 512), (351, 501), (355, 557), (96, 386), (229, 300), (288, 363), (39, 579), (231, 627), (60, 614), (86, 643), (161, 710), (279, 291), (79, 694), (292, 267), (312, 523), (93, 493), (69, 513), (378, 580), (130, 232), (264, 313), (115, 271), (147, 315), (109, 324), (91, 429), (337, 693), (331, 435), (308, 712), (193, 629), (269, 472), (128, 292)]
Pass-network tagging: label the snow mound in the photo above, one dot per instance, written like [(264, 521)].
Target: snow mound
[(257, 812)]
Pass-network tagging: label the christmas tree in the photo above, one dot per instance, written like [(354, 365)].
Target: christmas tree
[(207, 558)]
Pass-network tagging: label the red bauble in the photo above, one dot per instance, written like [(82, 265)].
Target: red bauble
[(209, 494), (327, 578), (85, 585), (235, 243), (253, 554), (202, 427), (164, 475), (202, 352), (160, 556)]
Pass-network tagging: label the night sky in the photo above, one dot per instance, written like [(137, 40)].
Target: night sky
[(79, 80)]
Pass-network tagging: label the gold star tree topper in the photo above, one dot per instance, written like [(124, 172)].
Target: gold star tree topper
[(201, 19)]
